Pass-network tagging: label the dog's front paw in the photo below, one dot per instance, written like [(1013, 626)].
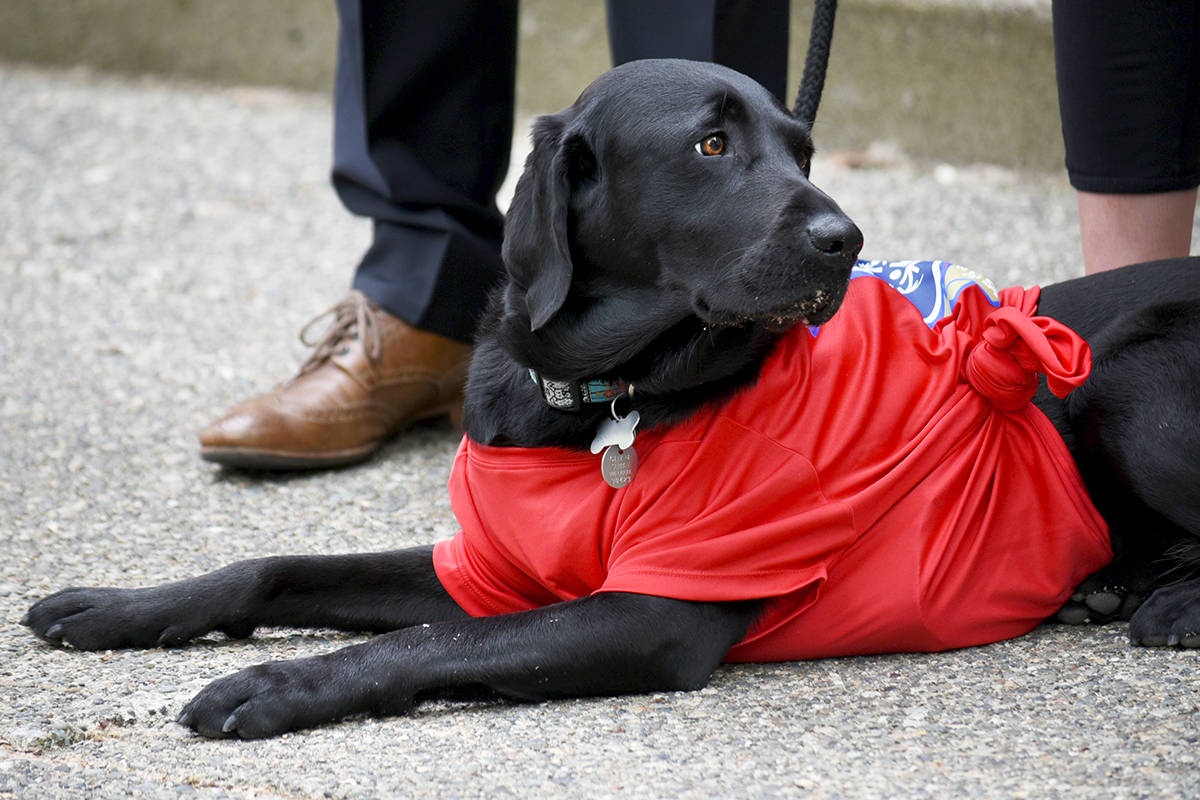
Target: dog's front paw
[(106, 618), (274, 698), (1170, 617), (259, 701)]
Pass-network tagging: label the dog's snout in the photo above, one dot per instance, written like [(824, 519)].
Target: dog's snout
[(835, 235)]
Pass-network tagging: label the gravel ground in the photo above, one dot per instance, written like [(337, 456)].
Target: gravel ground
[(161, 244)]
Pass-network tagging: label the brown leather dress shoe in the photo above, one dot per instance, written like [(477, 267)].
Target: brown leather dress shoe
[(368, 377)]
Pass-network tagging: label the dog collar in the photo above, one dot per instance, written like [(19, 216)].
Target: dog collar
[(571, 395)]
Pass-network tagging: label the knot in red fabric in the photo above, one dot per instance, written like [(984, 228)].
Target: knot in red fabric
[(1013, 348)]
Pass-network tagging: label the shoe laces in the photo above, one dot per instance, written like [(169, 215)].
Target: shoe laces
[(353, 317)]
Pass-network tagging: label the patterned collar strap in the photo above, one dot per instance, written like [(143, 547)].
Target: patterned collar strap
[(571, 395)]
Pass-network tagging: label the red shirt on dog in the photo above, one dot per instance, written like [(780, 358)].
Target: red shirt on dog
[(886, 486)]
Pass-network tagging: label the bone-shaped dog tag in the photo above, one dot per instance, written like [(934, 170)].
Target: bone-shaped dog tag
[(619, 431), (618, 466)]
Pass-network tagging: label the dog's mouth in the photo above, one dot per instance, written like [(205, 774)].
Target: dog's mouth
[(816, 309)]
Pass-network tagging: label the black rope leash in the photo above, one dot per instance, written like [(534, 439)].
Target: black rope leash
[(820, 38)]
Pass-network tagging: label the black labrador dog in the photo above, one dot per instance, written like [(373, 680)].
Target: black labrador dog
[(665, 234)]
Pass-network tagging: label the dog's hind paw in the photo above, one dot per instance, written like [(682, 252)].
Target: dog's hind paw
[(1171, 617), (1113, 593), (1099, 604)]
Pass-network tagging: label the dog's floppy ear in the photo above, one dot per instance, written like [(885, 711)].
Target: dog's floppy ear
[(537, 250)]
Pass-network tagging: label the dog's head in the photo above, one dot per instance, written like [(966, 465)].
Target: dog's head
[(684, 176)]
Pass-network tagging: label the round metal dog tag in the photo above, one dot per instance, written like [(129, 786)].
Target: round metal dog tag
[(618, 466)]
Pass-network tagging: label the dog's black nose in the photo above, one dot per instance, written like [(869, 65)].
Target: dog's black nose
[(834, 235)]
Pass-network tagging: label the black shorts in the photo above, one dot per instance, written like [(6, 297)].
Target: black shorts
[(1129, 93)]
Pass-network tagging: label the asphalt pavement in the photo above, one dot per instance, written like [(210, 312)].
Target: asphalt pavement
[(160, 246)]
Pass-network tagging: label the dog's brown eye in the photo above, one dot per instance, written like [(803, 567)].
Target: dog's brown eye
[(711, 145)]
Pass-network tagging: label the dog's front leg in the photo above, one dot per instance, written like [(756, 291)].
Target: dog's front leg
[(371, 592), (608, 643)]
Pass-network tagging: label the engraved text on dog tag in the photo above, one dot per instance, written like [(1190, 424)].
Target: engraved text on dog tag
[(618, 466)]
